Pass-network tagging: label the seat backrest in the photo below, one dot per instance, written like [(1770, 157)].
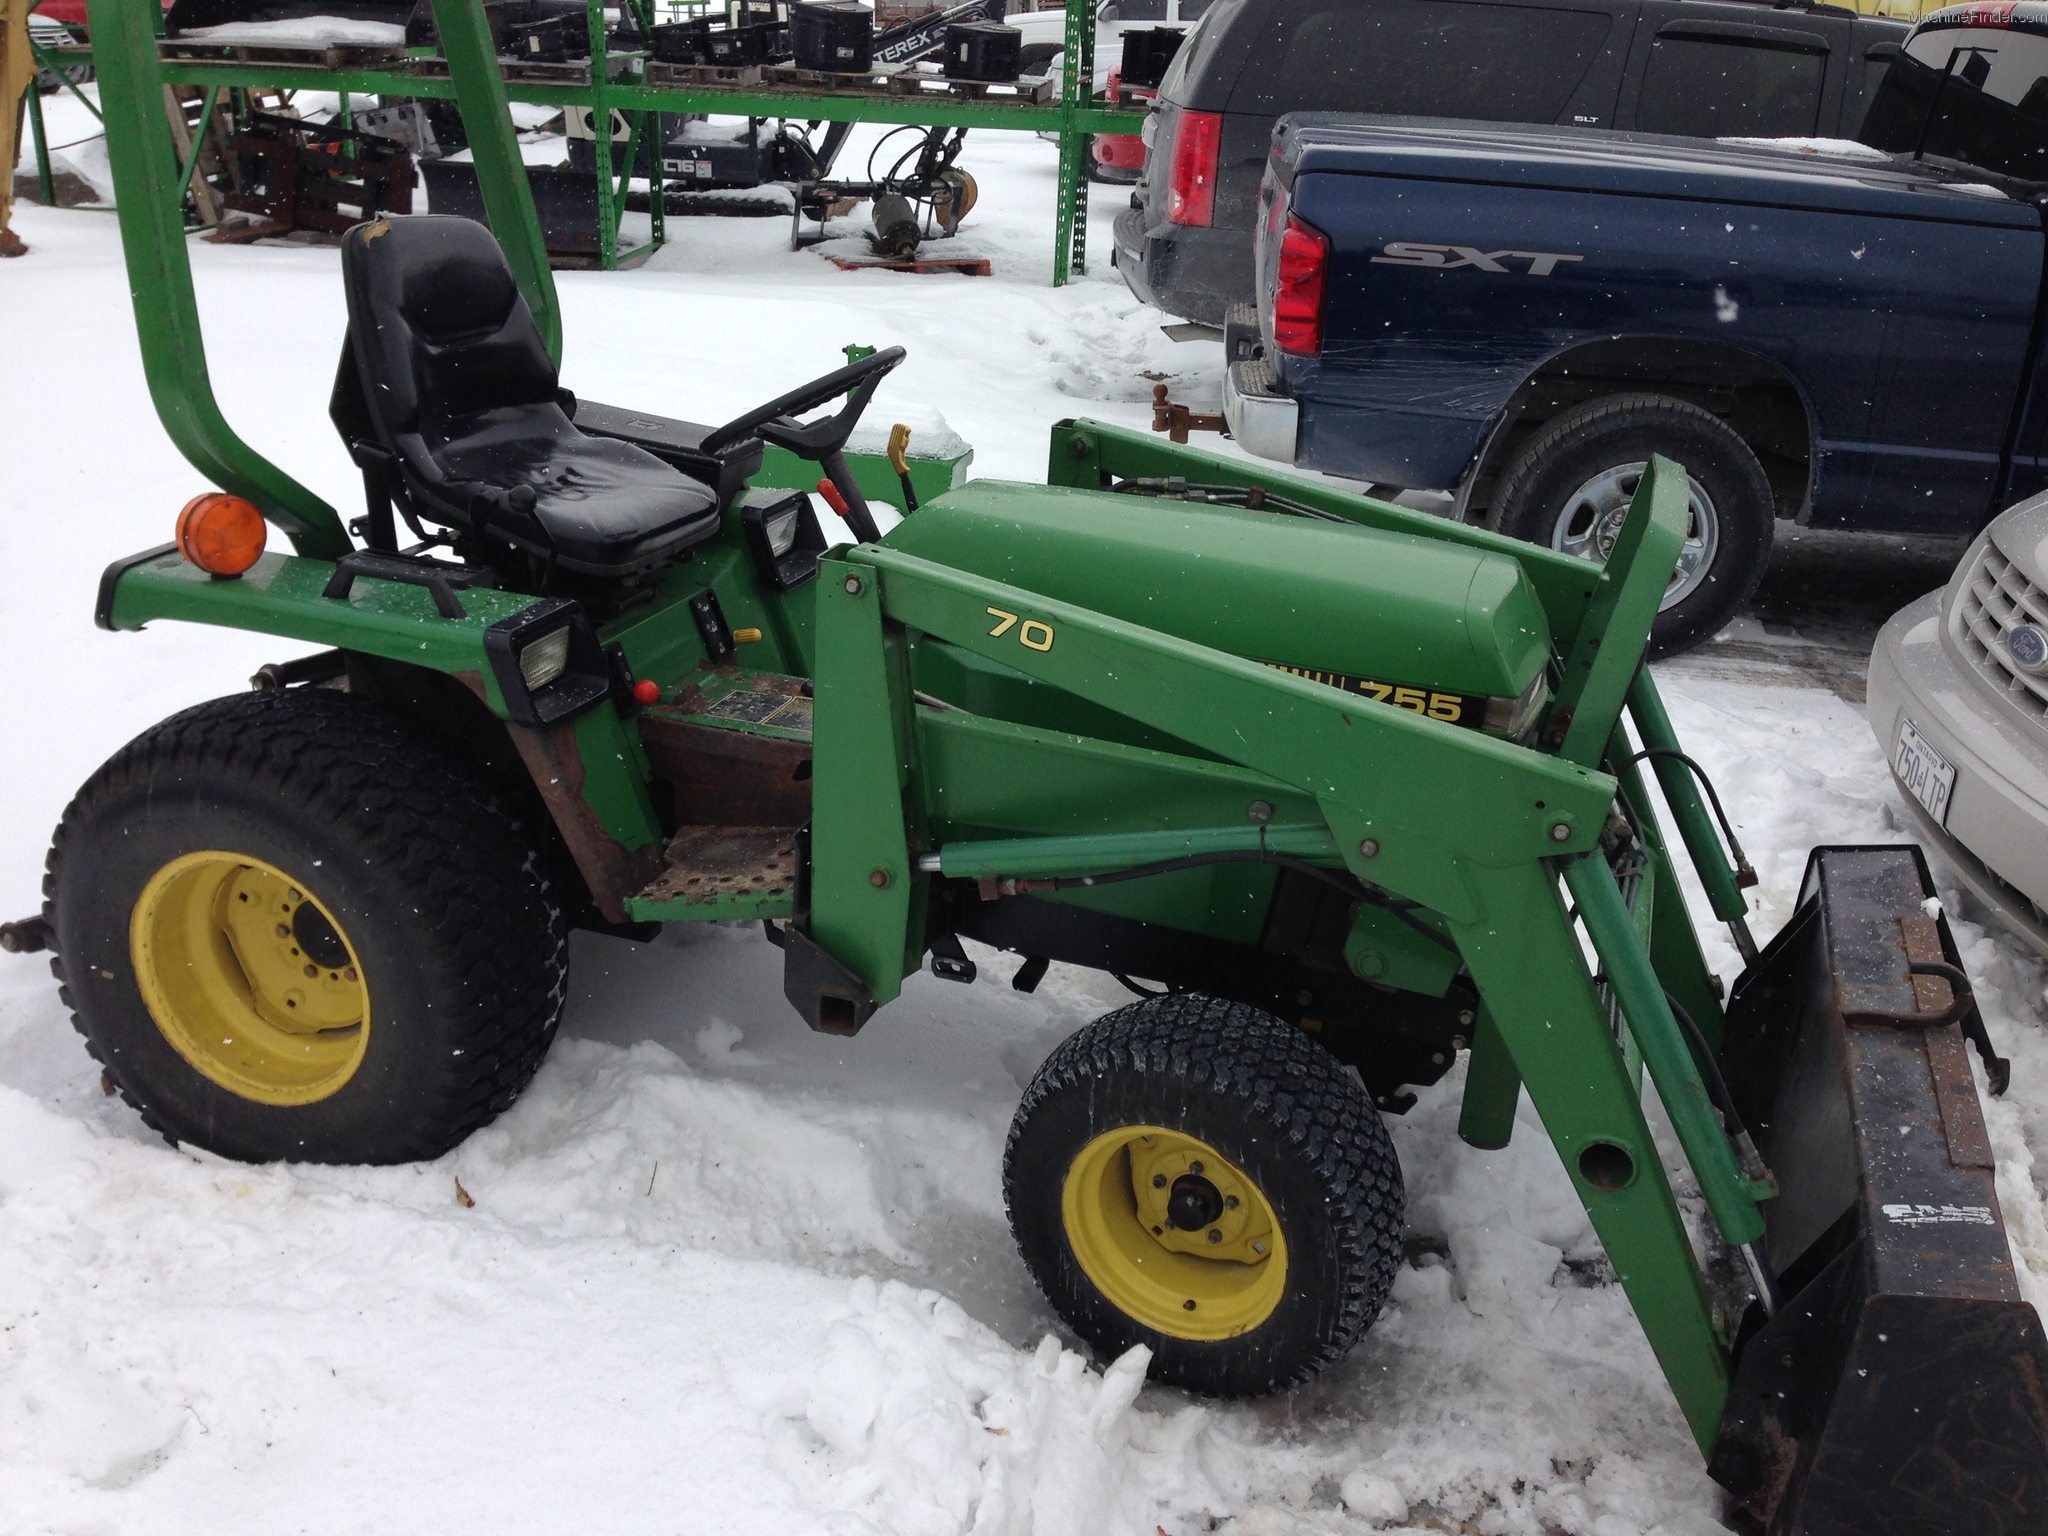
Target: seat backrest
[(438, 327)]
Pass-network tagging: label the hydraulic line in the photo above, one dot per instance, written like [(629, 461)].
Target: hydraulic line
[(1746, 1155), (1745, 873), (1254, 498)]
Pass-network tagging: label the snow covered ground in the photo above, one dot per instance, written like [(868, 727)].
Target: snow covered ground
[(720, 1274)]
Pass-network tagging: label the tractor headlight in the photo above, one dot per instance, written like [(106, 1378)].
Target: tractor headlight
[(781, 530), (1512, 717), (545, 659), (548, 663), (783, 536)]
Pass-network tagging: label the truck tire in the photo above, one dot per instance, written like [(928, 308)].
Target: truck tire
[(290, 930), (1199, 1177), (1570, 483)]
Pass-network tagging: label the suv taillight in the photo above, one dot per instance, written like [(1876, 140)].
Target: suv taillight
[(1298, 291), (1191, 183)]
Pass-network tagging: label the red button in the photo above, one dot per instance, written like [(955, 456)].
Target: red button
[(647, 691)]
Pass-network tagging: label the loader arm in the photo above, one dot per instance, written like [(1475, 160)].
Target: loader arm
[(1482, 833)]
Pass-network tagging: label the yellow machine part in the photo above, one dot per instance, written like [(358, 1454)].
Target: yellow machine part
[(250, 978), (1210, 1280)]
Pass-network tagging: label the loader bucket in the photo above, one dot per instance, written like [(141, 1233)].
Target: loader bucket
[(1902, 1385)]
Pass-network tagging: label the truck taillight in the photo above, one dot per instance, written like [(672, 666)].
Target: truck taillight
[(1298, 292), (1191, 183)]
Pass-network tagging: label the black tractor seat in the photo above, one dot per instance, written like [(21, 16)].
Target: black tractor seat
[(681, 443), (453, 409)]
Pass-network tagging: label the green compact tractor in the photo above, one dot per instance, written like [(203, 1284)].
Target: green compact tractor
[(1347, 791)]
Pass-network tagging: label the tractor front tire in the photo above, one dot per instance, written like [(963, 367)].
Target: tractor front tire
[(1570, 484), (1202, 1178), (290, 930)]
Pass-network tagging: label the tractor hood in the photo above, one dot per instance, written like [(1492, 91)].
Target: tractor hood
[(1358, 605)]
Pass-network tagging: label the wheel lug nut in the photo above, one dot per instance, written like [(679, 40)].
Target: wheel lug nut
[(1230, 1202), (283, 932), (1188, 1305), (1194, 1167), (1159, 1181), (312, 970), (1215, 1236)]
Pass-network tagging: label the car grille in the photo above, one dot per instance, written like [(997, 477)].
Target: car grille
[(1996, 599)]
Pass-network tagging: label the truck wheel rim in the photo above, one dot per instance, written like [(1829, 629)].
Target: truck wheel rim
[(250, 978), (1140, 1205), (1592, 516)]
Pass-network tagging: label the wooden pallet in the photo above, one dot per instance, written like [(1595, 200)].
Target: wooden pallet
[(239, 232), (963, 266), (742, 78), (531, 71), (332, 56), (219, 173), (874, 80), (544, 71), (1030, 88), (908, 80)]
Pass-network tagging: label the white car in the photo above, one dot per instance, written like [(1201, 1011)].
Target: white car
[(1959, 702)]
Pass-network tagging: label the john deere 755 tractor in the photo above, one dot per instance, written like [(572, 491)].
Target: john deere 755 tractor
[(1349, 792)]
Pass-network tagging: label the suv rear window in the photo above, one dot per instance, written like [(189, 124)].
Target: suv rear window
[(1710, 86), (1426, 58), (1191, 63), (1968, 93)]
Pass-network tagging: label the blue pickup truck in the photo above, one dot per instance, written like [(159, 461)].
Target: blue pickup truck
[(1849, 335)]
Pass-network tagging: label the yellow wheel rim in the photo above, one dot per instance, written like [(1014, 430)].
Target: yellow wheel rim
[(1177, 1236), (250, 978)]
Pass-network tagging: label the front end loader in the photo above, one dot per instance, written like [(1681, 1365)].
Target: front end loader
[(1342, 792)]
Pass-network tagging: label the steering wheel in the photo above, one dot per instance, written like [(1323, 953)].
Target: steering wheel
[(824, 441)]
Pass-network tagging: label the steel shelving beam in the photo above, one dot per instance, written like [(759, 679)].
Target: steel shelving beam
[(1075, 116)]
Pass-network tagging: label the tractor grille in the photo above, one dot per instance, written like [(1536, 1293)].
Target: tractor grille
[(1997, 598)]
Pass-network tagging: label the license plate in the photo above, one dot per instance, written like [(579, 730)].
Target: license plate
[(1927, 775)]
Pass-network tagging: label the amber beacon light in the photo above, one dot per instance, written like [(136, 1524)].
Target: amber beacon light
[(221, 534)]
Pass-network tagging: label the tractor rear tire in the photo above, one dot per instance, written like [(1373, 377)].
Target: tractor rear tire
[(1198, 1176), (290, 930), (1568, 485)]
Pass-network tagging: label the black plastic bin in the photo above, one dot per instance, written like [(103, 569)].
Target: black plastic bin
[(737, 47), (832, 36), (982, 50), (681, 42), (1147, 53)]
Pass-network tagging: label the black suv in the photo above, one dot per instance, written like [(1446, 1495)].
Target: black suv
[(1709, 68)]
